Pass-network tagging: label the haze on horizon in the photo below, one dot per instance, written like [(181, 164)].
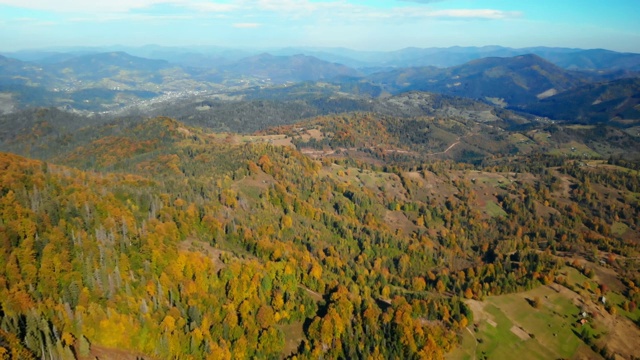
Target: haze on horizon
[(356, 24)]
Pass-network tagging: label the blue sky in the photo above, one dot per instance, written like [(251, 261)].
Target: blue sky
[(357, 24)]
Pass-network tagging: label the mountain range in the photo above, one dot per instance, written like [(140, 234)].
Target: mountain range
[(516, 80), (282, 206), (570, 58), (115, 81)]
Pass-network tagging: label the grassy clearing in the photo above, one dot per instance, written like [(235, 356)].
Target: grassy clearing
[(370, 179), (518, 138), (522, 142), (466, 349), (619, 228), (555, 316), (251, 192), (494, 210), (573, 148), (293, 336), (577, 281), (550, 327), (494, 180), (580, 127), (541, 137), (497, 342)]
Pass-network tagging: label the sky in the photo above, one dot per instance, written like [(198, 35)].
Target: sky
[(355, 24)]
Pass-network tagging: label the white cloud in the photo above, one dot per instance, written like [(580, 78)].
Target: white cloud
[(97, 6), (310, 11), (128, 17), (344, 10), (475, 13), (246, 25)]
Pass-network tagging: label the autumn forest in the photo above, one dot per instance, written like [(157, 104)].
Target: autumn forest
[(158, 240)]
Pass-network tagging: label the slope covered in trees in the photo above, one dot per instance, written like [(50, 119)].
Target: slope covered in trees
[(173, 241)]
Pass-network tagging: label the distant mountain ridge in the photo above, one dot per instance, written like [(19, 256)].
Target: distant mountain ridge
[(94, 67), (517, 80), (574, 59), (288, 68), (617, 101), (106, 81), (569, 58), (105, 64), (116, 80)]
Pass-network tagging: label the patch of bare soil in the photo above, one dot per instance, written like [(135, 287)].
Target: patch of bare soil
[(545, 211), (312, 134), (623, 338), (519, 332), (397, 151), (414, 175), (293, 337), (584, 352), (184, 131), (565, 184), (316, 296), (437, 187), (479, 314), (485, 186), (282, 141), (259, 180), (610, 277), (315, 153), (397, 220)]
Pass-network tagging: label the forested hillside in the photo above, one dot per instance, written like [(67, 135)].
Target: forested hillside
[(159, 240)]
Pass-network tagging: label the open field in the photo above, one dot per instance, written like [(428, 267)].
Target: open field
[(508, 324), (574, 148), (522, 142), (494, 209), (580, 127), (466, 350)]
